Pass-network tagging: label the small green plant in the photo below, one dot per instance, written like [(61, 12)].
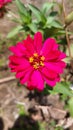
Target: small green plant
[(59, 128), (33, 19), (21, 109)]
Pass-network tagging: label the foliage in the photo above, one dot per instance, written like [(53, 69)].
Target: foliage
[(33, 19), (53, 124), (21, 109), (62, 88)]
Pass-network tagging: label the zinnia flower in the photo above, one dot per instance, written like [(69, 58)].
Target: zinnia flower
[(3, 10), (35, 63), (4, 2)]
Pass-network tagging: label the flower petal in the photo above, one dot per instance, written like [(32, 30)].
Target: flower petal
[(4, 2), (18, 50), (18, 60), (52, 83), (57, 67), (21, 47), (22, 73), (49, 73), (26, 76), (18, 64), (38, 42), (49, 45), (53, 56), (29, 45), (15, 51), (62, 55), (37, 82)]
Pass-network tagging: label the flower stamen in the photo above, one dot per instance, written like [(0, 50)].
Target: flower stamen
[(42, 58), (37, 61), (31, 59), (41, 63), (35, 55)]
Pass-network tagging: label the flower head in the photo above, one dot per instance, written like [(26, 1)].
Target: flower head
[(4, 2), (36, 63)]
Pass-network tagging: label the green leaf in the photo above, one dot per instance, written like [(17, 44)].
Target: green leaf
[(33, 27), (21, 109), (42, 125), (53, 13), (22, 9), (14, 31), (62, 32), (49, 22), (63, 88), (70, 106), (23, 12), (24, 19), (50, 32), (56, 24), (39, 15), (47, 6)]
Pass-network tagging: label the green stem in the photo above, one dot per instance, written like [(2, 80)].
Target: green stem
[(67, 37)]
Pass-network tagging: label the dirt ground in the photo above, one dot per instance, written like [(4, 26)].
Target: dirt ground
[(36, 106)]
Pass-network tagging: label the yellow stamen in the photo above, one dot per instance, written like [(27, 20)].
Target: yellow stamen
[(41, 63), (42, 58), (36, 65), (31, 59), (35, 55), (37, 61)]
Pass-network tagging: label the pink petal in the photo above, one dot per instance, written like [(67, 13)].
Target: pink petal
[(49, 45), (22, 73), (26, 76), (18, 60), (53, 56), (15, 50), (29, 45), (38, 42), (13, 67), (49, 73), (21, 47), (4, 2), (22, 67), (19, 63), (62, 64), (52, 83), (57, 67), (62, 55), (37, 82)]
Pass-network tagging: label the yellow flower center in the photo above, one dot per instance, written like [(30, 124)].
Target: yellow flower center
[(37, 61)]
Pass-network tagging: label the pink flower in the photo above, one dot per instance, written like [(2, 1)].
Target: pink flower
[(37, 64), (4, 2)]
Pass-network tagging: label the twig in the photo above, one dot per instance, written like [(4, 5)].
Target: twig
[(20, 103), (67, 37), (4, 80)]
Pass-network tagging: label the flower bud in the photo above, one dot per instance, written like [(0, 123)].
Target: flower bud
[(69, 18)]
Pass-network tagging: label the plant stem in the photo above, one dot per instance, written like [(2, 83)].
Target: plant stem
[(67, 37)]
